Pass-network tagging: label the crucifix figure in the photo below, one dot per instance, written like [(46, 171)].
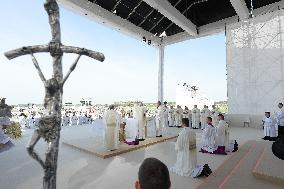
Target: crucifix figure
[(50, 124)]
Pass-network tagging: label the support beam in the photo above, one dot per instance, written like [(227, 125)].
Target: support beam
[(240, 8), (166, 9), (161, 74), (219, 26), (102, 16), (209, 29)]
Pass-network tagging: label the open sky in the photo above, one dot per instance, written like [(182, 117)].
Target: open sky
[(128, 73)]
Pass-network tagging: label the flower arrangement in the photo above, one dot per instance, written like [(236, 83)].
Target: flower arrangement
[(14, 130)]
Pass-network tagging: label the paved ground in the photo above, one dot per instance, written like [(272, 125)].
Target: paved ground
[(82, 170)]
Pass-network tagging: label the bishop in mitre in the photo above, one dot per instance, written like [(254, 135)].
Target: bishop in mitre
[(186, 150), (112, 123), (195, 117), (139, 113)]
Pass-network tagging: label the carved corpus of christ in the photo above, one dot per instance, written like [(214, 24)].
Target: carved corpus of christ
[(50, 124)]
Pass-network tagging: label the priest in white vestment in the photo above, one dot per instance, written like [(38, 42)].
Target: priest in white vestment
[(171, 116), (139, 113), (185, 113), (112, 122), (178, 116), (205, 112), (208, 138), (186, 151), (214, 114), (222, 135), (195, 117), (159, 119), (166, 119)]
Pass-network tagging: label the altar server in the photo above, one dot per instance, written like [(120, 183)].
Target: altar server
[(268, 127)]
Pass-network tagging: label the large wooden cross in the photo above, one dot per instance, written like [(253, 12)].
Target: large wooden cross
[(50, 124)]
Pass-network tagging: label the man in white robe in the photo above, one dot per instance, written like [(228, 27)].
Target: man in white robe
[(112, 122), (166, 119), (159, 119), (205, 112), (185, 113), (222, 135), (268, 128), (195, 117), (208, 138), (139, 114), (171, 116), (214, 114), (178, 116), (186, 151), (280, 120)]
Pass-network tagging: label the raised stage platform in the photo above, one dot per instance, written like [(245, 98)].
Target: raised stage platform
[(90, 145)]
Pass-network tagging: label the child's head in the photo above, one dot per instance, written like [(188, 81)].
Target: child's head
[(185, 122), (267, 114), (209, 119)]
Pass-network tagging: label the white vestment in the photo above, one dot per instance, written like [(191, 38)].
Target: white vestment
[(139, 115), (131, 129), (178, 116), (185, 114), (214, 114), (195, 117), (222, 134), (208, 139), (269, 127), (112, 122), (205, 112), (166, 119), (171, 117), (186, 153), (159, 120)]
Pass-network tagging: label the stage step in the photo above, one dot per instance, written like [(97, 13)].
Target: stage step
[(236, 171), (269, 167)]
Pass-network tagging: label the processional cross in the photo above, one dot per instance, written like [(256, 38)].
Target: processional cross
[(50, 124)]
